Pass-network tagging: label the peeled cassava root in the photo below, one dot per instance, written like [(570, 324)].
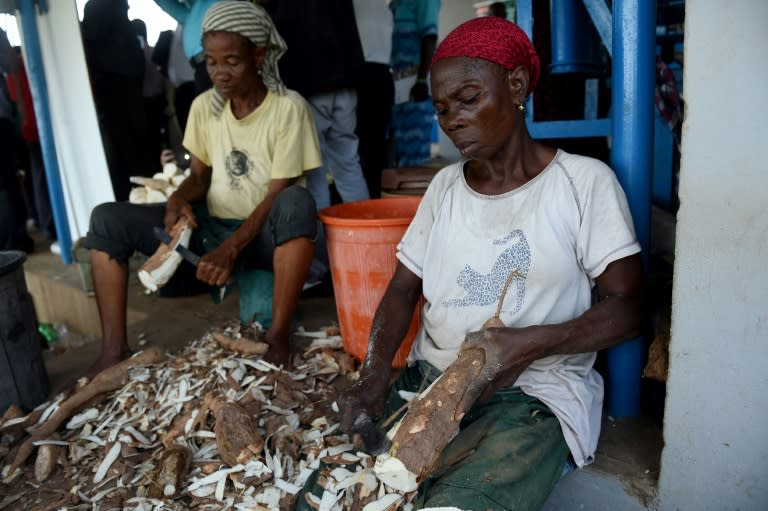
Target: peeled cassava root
[(47, 457), (159, 268), (159, 187)]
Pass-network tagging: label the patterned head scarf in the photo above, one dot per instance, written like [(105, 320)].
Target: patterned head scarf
[(252, 22), (495, 40)]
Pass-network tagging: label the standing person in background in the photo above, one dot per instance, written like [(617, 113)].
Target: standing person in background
[(13, 233), (498, 9), (325, 27), (376, 90), (116, 69), (191, 17), (181, 74), (153, 91), (161, 57), (38, 200), (413, 42), (162, 51)]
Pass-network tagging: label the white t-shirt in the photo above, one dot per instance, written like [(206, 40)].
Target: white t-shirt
[(374, 24), (559, 232)]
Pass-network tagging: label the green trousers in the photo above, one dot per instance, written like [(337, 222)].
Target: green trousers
[(508, 455)]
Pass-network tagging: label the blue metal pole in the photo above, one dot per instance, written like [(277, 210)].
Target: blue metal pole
[(524, 19), (601, 18), (39, 89), (632, 158)]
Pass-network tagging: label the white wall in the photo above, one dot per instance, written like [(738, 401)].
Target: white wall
[(452, 14), (80, 154), (716, 419)]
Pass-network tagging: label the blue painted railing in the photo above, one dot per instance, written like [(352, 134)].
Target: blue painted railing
[(634, 57), (39, 89), (631, 128)]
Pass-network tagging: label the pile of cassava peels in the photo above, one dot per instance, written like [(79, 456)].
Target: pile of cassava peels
[(147, 433), (211, 427)]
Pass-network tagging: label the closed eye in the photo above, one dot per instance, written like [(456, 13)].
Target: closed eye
[(470, 100)]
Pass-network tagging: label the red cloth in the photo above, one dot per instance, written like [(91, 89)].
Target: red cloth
[(29, 127), (667, 96), (495, 40)]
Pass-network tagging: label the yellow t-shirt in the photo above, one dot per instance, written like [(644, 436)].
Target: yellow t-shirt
[(278, 140)]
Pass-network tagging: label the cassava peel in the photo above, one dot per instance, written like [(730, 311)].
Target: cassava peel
[(106, 381)]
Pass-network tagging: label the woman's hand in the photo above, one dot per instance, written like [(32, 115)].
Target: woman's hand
[(216, 267), (390, 324), (615, 318), (507, 353), (368, 395), (175, 209)]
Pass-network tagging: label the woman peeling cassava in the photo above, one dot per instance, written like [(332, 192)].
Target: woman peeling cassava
[(557, 223), (251, 139)]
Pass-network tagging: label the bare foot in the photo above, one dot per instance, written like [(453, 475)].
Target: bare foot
[(107, 360)]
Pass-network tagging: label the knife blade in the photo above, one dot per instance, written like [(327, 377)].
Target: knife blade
[(186, 253)]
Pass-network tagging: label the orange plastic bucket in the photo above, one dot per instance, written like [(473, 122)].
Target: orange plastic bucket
[(362, 238)]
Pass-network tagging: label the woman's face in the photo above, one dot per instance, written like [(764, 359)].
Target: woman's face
[(232, 63), (476, 103)]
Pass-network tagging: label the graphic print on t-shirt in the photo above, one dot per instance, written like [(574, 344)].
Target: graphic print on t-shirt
[(238, 164), (485, 289)]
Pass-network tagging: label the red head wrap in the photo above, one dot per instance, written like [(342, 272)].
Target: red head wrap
[(493, 39)]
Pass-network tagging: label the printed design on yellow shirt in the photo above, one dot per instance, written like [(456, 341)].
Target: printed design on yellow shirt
[(239, 165)]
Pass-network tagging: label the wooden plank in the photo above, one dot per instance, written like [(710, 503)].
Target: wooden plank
[(57, 302)]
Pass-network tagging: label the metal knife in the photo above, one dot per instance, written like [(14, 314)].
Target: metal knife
[(186, 253)]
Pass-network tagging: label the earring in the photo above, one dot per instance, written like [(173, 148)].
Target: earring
[(521, 107)]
